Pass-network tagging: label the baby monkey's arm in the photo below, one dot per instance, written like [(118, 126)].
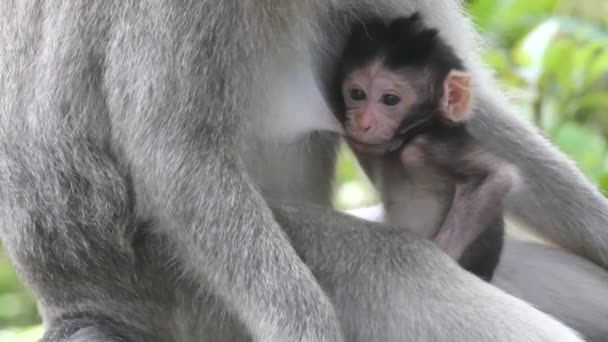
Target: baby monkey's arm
[(482, 183)]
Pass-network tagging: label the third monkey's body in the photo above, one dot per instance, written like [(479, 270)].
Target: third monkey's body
[(427, 196)]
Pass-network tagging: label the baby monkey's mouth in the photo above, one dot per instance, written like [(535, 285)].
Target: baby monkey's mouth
[(384, 147)]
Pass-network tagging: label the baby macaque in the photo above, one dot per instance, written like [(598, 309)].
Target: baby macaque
[(405, 101)]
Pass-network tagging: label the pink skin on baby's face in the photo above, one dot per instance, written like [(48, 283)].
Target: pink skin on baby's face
[(376, 101)]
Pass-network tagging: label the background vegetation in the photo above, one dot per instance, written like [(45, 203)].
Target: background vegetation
[(552, 55)]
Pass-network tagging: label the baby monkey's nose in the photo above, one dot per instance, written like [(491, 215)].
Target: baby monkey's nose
[(365, 122)]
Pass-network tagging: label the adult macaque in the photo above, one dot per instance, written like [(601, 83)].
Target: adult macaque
[(130, 209), (406, 94)]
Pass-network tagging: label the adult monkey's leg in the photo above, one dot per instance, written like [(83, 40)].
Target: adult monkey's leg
[(390, 286), (561, 284)]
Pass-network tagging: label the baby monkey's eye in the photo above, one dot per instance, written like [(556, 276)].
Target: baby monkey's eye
[(357, 94), (390, 99)]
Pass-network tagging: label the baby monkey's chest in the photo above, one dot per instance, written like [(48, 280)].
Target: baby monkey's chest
[(421, 197)]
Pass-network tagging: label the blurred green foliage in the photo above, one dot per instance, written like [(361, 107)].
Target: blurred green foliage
[(17, 307), (551, 55)]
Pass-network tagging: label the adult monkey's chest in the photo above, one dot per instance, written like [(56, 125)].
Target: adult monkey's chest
[(289, 148)]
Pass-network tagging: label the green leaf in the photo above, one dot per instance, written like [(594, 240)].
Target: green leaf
[(603, 183), (32, 334), (482, 12), (352, 188), (509, 19), (598, 68), (581, 59), (583, 145), (497, 59), (532, 49), (557, 66), (593, 100), (346, 165)]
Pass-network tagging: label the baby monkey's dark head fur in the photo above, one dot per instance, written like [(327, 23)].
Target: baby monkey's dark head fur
[(404, 42), (406, 48)]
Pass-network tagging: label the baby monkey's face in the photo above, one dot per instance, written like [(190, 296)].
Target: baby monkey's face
[(376, 101)]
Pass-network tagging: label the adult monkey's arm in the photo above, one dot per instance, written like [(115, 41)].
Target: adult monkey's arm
[(554, 197)]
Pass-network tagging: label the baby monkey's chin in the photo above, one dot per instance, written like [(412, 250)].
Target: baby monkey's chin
[(374, 148)]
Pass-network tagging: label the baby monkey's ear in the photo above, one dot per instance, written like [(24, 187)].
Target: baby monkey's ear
[(456, 100)]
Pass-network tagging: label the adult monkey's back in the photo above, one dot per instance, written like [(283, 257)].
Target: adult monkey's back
[(128, 209)]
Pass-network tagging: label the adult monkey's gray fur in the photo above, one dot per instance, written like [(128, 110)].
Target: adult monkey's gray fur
[(130, 208), (559, 283)]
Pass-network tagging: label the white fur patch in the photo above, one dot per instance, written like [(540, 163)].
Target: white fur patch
[(295, 104)]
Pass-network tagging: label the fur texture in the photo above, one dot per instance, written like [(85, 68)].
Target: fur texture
[(130, 209)]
